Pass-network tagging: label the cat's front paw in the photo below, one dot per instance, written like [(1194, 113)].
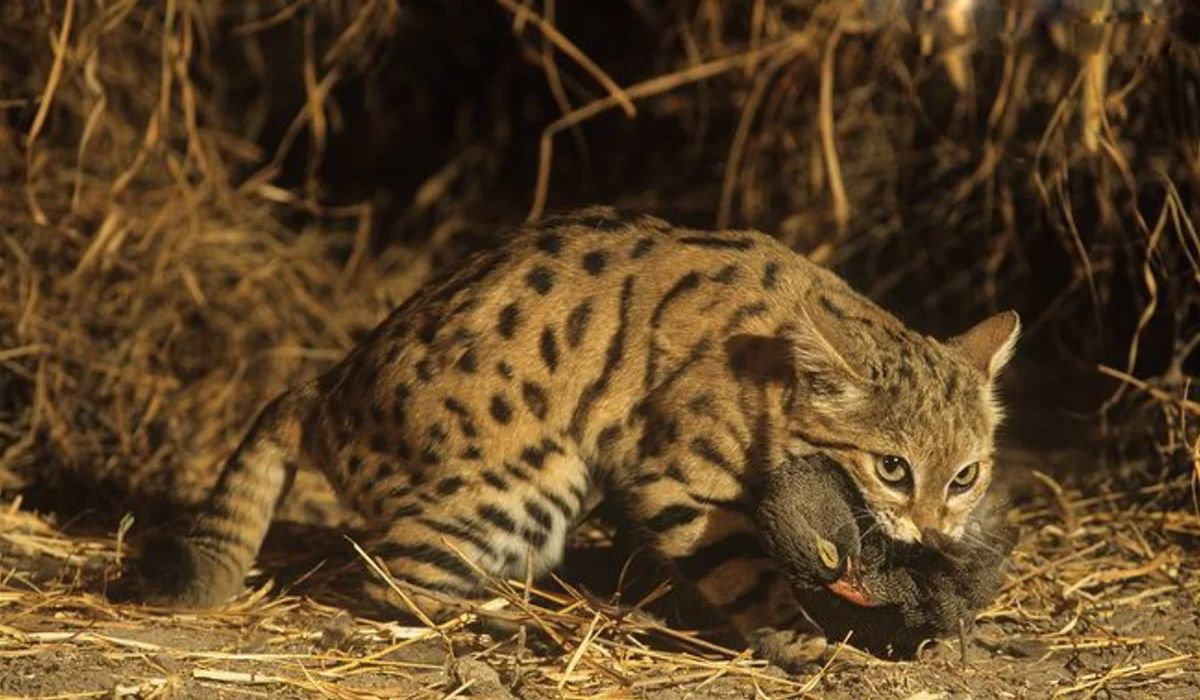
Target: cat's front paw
[(793, 650)]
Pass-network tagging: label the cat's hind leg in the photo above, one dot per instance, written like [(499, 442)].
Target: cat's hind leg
[(207, 567)]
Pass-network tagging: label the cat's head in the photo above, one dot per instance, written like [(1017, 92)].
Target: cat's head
[(910, 418)]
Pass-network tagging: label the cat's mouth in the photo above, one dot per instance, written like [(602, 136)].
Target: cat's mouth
[(850, 588)]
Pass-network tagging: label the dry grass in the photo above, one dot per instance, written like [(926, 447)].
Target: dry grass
[(196, 211), (1095, 603)]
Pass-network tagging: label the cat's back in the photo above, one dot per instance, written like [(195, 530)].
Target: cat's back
[(523, 328)]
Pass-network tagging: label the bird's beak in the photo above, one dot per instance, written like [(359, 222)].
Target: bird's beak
[(850, 588)]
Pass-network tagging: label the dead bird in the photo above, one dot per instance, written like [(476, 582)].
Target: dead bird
[(889, 596), (806, 522)]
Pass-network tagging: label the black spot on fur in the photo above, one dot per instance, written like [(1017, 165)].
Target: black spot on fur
[(535, 537), (742, 313), (761, 358), (832, 308), (951, 385), (577, 322), (538, 514), (548, 347), (534, 457), (510, 318), (550, 244), (384, 469), (564, 509), (726, 274), (608, 437), (674, 471), (494, 480), (672, 516), (517, 471), (642, 247), (467, 362), (703, 448), (682, 286), (465, 531), (425, 370), (658, 432), (535, 399), (449, 485), (465, 305), (466, 421), (445, 561), (428, 331), (504, 369), (406, 510), (500, 410), (540, 279), (595, 261), (702, 404), (770, 276), (472, 453), (497, 517)]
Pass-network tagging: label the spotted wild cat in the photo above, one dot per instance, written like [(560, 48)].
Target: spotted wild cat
[(600, 351)]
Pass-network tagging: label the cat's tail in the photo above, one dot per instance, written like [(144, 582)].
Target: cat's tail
[(207, 568)]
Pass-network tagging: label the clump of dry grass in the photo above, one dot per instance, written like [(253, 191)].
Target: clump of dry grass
[(173, 259), (151, 297)]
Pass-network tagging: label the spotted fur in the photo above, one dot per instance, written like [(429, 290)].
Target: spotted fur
[(604, 352)]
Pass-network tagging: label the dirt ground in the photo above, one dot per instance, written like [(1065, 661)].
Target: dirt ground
[(1101, 601)]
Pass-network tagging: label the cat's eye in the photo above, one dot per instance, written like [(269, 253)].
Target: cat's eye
[(965, 478), (828, 553), (893, 470)]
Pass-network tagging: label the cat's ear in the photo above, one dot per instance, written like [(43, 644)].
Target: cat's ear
[(989, 345), (820, 344)]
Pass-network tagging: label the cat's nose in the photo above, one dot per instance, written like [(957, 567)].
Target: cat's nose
[(925, 527), (907, 531)]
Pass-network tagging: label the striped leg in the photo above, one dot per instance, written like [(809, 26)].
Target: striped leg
[(446, 537), (208, 567)]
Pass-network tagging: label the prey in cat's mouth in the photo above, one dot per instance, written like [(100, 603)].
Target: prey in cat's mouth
[(807, 524), (844, 579)]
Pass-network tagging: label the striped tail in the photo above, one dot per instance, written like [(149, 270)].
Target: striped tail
[(207, 568)]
